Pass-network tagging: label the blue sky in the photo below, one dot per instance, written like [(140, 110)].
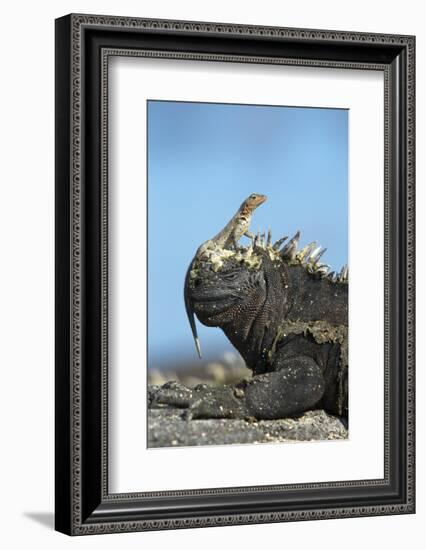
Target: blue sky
[(204, 159)]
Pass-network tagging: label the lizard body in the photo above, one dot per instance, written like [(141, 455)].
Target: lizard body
[(236, 227)]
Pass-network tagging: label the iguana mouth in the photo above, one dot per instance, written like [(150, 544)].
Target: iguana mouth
[(205, 297), (207, 302), (207, 311)]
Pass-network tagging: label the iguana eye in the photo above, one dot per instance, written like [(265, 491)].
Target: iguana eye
[(231, 276)]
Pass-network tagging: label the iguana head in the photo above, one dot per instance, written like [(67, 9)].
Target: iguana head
[(211, 285), (235, 290), (218, 296)]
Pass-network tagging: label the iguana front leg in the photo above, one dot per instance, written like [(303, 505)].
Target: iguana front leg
[(203, 401), (298, 385), (171, 393), (217, 402)]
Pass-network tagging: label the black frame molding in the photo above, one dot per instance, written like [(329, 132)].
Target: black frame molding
[(84, 43)]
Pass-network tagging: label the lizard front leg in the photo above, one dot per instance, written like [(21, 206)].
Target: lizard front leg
[(235, 243), (250, 236), (247, 234)]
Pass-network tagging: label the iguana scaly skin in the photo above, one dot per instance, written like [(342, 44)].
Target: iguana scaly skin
[(287, 315), (228, 237)]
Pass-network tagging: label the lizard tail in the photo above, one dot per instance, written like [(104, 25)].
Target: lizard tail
[(190, 313)]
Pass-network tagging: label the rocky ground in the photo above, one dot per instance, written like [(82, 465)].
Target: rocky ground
[(168, 427)]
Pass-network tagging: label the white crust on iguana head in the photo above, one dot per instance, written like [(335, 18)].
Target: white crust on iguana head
[(308, 257)]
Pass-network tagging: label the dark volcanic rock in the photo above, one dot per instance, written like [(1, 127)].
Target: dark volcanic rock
[(168, 427)]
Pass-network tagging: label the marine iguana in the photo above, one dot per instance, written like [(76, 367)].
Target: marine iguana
[(286, 314)]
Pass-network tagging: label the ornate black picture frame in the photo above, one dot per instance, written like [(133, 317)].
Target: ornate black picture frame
[(83, 45)]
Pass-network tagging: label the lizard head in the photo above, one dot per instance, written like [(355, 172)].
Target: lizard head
[(253, 201)]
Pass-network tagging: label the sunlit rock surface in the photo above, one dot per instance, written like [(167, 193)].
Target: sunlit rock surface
[(168, 427)]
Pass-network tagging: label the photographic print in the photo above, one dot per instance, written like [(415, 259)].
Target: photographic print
[(247, 274), (202, 179)]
